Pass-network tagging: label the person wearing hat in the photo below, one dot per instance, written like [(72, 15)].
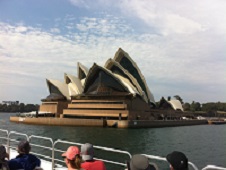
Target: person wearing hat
[(89, 163), (24, 160), (72, 158), (3, 156), (140, 162), (177, 160)]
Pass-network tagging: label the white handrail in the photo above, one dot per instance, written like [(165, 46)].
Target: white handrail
[(8, 134), (164, 159), (213, 167), (96, 147)]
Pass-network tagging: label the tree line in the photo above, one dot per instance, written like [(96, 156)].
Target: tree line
[(19, 107), (206, 107), (194, 106), (197, 106)]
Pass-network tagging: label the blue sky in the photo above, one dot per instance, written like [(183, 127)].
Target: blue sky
[(180, 46)]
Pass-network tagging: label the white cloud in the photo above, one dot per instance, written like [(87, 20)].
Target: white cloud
[(21, 29), (106, 26), (55, 30), (167, 17), (79, 3), (187, 57)]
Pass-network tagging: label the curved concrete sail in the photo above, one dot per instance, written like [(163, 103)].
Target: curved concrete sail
[(56, 86), (176, 104), (127, 63), (82, 71), (128, 84), (74, 84), (99, 77), (116, 68)]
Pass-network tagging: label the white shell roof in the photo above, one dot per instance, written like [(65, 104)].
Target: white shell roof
[(110, 62), (83, 68), (62, 87), (123, 81), (118, 58), (74, 85), (127, 83), (176, 104)]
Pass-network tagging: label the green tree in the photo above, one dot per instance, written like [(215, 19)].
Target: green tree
[(21, 107), (30, 107), (195, 106), (186, 106), (207, 107), (13, 108), (221, 106), (4, 108), (177, 97)]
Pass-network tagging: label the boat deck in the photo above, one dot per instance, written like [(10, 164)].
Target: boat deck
[(52, 161)]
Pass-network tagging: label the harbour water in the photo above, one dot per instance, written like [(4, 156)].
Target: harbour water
[(203, 144)]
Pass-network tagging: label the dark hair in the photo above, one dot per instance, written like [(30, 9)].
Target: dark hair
[(24, 147)]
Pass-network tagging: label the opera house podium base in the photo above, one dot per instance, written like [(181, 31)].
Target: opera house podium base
[(106, 123)]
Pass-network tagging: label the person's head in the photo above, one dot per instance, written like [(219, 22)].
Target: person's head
[(3, 153), (177, 160), (140, 162), (72, 157), (24, 147), (87, 152)]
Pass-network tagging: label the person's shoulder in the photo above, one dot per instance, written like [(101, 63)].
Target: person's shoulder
[(99, 164), (94, 164), (14, 163), (85, 165), (13, 160), (32, 156)]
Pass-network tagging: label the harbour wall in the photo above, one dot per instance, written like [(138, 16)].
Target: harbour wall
[(107, 123), (159, 123), (58, 121)]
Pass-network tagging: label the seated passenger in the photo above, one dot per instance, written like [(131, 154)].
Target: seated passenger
[(177, 160), (3, 156), (24, 160), (87, 153), (72, 158), (140, 162)]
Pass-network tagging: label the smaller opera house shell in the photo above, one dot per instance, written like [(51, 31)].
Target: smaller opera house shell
[(115, 91)]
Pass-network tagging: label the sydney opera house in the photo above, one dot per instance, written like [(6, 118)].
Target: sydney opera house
[(116, 91), (115, 94)]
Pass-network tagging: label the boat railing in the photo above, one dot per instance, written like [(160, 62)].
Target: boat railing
[(95, 147), (50, 148), (153, 157), (56, 162), (53, 157), (210, 167)]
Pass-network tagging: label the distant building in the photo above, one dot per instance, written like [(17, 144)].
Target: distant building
[(10, 102)]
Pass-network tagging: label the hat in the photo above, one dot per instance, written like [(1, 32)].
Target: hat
[(3, 153), (178, 160), (71, 152), (24, 147), (87, 151), (140, 162)]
